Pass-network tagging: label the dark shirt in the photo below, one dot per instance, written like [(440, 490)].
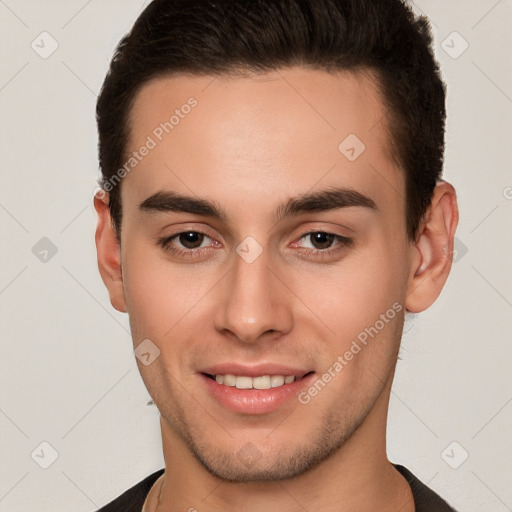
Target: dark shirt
[(132, 500)]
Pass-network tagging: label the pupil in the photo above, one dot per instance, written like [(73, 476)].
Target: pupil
[(191, 240), (322, 239)]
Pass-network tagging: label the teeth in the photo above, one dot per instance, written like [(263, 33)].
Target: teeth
[(229, 380), (243, 382), (276, 381), (260, 382)]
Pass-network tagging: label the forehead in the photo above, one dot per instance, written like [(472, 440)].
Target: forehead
[(325, 101), (282, 131)]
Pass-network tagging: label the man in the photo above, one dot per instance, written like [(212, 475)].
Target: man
[(271, 208)]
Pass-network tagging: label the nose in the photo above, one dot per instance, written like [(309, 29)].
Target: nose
[(253, 302)]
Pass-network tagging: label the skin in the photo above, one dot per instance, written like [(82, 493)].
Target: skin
[(251, 144)]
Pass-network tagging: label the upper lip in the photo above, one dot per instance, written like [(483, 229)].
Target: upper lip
[(255, 370)]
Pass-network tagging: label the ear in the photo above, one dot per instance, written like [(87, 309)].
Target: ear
[(109, 252), (433, 250)]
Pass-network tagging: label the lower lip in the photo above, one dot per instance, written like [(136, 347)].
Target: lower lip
[(255, 401)]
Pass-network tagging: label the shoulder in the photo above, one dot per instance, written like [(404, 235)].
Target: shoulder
[(425, 499), (133, 499)]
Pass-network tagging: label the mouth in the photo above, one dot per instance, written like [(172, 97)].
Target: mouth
[(254, 390), (258, 382)]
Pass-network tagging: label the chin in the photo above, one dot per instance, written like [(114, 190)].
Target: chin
[(253, 462)]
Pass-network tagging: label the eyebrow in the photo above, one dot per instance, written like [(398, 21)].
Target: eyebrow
[(322, 201)]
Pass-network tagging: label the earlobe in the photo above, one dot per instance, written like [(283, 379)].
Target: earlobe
[(109, 252), (433, 250)]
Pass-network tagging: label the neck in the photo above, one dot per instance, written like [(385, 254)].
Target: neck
[(358, 476)]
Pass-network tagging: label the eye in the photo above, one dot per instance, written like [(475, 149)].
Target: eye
[(321, 243), (187, 243), (191, 239), (320, 240)]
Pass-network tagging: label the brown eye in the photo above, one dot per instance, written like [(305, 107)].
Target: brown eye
[(187, 243), (321, 240), (320, 244), (191, 239)]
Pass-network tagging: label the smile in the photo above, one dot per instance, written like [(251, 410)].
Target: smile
[(261, 392), (258, 382)]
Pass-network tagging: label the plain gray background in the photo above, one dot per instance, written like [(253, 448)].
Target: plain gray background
[(68, 376)]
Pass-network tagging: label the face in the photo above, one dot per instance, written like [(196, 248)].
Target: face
[(250, 277)]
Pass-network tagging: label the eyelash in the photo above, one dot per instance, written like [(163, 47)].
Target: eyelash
[(343, 242)]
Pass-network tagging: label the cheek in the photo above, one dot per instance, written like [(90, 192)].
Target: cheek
[(353, 294), (362, 305), (159, 294), (149, 290)]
